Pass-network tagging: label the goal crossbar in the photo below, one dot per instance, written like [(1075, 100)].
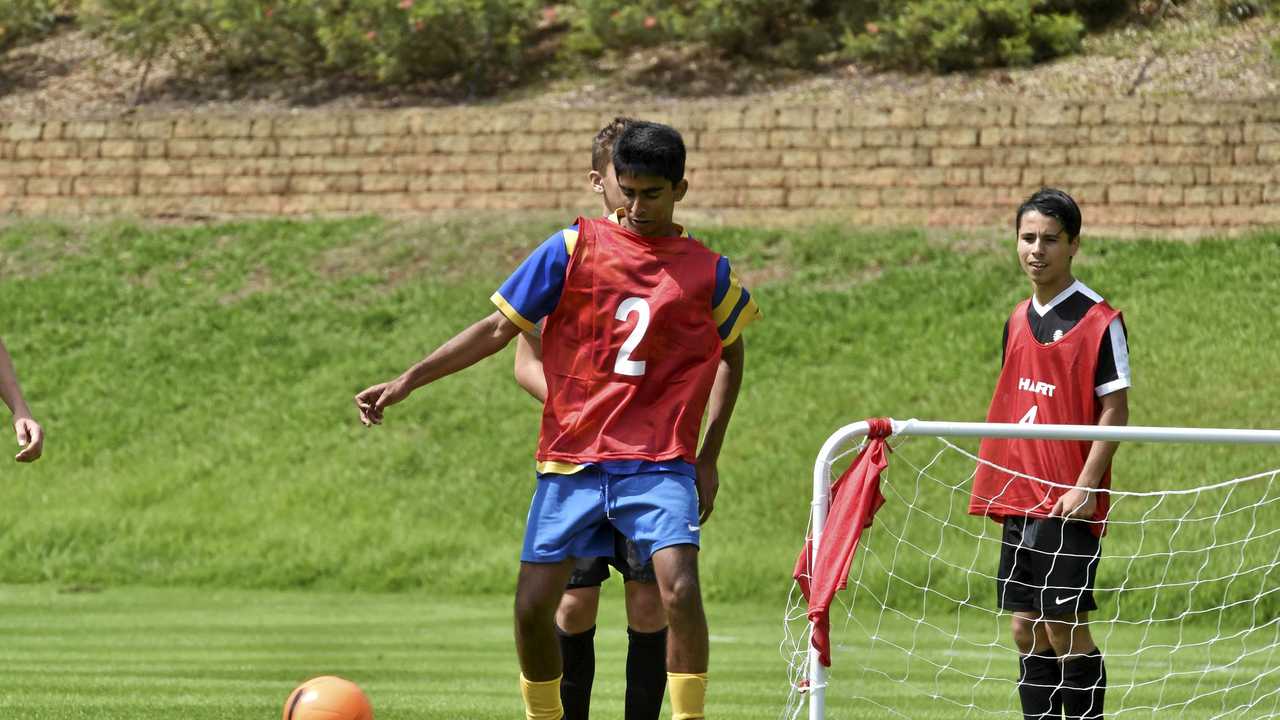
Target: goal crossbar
[(817, 680)]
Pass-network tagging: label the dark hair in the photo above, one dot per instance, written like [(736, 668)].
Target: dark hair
[(602, 145), (1052, 202), (646, 148)]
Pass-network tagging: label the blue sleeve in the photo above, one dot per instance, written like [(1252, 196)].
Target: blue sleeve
[(533, 290), (732, 305)]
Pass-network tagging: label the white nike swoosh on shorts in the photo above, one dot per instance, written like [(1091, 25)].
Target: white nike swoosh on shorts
[(1069, 598), (695, 528)]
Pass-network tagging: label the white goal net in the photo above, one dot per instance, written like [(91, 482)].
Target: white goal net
[(1187, 587)]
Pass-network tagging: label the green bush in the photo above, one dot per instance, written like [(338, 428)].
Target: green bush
[(25, 20), (235, 36), (479, 41), (476, 42), (481, 45), (951, 35), (794, 33)]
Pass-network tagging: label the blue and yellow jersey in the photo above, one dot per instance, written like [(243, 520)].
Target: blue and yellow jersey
[(532, 292)]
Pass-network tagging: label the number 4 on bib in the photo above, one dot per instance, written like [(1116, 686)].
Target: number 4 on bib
[(1030, 417)]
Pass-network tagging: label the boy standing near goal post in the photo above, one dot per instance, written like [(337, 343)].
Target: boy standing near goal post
[(1065, 361), (631, 347)]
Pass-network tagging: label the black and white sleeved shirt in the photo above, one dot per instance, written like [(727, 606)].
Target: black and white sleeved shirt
[(1052, 320)]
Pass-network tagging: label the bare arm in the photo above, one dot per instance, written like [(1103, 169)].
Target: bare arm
[(724, 395), (9, 388), (528, 366), (465, 349), (30, 434), (1081, 504)]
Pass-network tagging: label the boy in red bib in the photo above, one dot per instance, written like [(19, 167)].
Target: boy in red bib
[(631, 346), (1065, 361), (579, 606)]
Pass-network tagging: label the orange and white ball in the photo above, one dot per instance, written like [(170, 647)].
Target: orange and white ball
[(328, 698)]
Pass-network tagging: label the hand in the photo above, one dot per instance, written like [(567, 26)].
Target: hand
[(1075, 503), (708, 485), (373, 400), (30, 439)]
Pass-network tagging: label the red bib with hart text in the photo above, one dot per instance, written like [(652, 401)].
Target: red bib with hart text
[(1046, 384), (631, 350)]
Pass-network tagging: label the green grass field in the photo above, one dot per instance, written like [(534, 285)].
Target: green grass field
[(196, 384), (143, 653), (138, 653)]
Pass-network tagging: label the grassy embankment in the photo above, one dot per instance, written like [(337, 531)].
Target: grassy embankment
[(196, 387)]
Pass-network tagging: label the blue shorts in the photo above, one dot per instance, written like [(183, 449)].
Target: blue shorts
[(575, 515)]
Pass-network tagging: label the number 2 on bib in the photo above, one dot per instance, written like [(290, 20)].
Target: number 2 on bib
[(624, 364)]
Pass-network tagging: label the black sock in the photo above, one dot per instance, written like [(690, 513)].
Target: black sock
[(1039, 676), (1084, 686), (578, 654), (646, 673)]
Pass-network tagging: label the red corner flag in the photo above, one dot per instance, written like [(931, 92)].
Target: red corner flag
[(855, 498)]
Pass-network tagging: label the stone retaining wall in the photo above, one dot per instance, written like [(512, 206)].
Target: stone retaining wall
[(1185, 165)]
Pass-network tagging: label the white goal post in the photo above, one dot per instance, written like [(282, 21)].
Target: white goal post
[(809, 684)]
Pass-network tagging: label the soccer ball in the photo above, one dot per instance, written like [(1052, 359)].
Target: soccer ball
[(328, 698)]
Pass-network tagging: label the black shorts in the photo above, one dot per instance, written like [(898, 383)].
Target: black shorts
[(593, 571), (1047, 566)]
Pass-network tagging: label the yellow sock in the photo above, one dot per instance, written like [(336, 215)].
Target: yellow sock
[(541, 699), (688, 695)]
